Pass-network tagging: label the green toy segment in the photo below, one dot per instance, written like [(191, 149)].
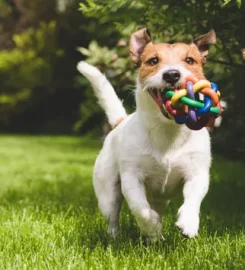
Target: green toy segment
[(192, 103)]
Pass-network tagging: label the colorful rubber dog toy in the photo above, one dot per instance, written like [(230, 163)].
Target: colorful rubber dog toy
[(185, 106)]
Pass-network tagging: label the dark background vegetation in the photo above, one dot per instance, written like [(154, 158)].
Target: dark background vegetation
[(42, 41)]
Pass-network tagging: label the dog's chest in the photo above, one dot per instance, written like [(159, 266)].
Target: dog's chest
[(162, 174)]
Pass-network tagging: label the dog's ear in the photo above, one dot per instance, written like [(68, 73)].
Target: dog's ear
[(137, 43), (203, 42)]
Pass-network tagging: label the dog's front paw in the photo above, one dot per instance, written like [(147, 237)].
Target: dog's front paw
[(158, 237), (188, 221), (112, 230), (150, 224)]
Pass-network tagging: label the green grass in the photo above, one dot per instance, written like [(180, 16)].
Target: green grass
[(49, 217)]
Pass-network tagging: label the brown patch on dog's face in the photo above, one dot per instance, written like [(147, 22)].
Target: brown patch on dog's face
[(156, 56), (166, 66), (178, 60)]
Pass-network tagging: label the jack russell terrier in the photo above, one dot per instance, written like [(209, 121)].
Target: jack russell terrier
[(146, 152)]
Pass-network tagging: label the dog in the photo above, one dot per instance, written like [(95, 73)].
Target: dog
[(146, 152)]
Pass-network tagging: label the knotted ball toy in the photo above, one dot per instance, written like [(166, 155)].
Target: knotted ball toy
[(185, 106)]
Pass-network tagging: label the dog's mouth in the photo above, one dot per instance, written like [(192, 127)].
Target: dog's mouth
[(159, 96)]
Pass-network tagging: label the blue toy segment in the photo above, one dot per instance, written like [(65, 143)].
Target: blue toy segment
[(180, 119), (208, 101), (214, 86), (207, 105)]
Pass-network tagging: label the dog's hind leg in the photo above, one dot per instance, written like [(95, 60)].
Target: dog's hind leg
[(108, 191)]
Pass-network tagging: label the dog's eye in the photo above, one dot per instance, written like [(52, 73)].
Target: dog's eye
[(190, 60), (153, 61)]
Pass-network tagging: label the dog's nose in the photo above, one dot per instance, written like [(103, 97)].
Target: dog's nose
[(171, 76)]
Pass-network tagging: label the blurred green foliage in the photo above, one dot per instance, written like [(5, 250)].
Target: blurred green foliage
[(239, 2), (26, 59), (38, 65), (27, 65)]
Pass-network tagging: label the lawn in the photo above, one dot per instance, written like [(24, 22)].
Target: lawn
[(49, 217)]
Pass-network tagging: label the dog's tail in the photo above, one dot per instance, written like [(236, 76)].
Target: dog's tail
[(105, 93)]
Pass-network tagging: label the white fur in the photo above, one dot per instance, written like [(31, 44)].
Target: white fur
[(105, 93), (148, 153)]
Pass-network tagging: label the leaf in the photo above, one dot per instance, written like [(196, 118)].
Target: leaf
[(83, 51)]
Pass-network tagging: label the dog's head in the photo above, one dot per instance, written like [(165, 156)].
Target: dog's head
[(165, 66)]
